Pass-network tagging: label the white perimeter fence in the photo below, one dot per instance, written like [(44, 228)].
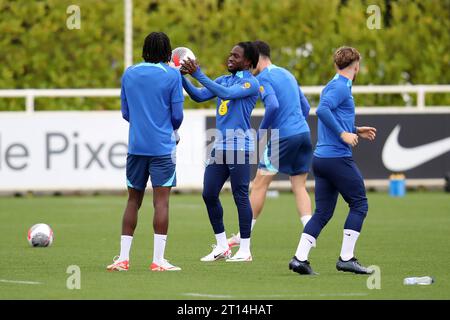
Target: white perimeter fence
[(64, 151), (31, 94)]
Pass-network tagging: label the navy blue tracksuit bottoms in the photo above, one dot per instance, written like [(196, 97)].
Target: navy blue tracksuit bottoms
[(236, 166), (335, 176)]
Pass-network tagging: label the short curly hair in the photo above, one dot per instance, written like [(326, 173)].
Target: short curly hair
[(345, 56)]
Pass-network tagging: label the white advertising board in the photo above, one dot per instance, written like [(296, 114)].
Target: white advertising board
[(83, 151)]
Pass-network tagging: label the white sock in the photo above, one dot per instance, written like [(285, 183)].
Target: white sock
[(221, 239), (253, 224), (304, 246), (245, 246), (159, 246), (125, 245), (348, 244), (305, 219)]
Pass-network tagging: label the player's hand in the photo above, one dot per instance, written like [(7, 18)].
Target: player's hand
[(189, 66), (368, 133), (176, 137), (350, 138)]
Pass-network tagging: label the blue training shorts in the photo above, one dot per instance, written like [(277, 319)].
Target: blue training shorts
[(161, 170), (293, 157)]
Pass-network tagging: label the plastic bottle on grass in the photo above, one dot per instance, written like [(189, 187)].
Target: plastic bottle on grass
[(418, 281)]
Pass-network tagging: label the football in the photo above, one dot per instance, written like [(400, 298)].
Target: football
[(179, 55), (40, 235)]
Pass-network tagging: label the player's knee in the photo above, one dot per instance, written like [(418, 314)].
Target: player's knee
[(134, 202), (257, 186), (240, 195), (161, 206), (209, 197), (299, 190), (322, 218), (241, 201), (360, 206), (260, 183)]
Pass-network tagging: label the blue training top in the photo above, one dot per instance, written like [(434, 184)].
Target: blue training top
[(236, 97), (336, 114), (286, 106), (152, 102)]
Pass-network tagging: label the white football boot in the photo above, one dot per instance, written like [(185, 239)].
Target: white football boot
[(241, 256), (217, 253), (164, 266)]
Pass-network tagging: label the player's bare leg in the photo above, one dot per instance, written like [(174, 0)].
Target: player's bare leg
[(260, 185), (129, 222), (130, 215), (160, 226), (161, 206), (258, 193), (302, 198)]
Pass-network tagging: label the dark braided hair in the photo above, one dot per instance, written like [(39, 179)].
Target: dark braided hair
[(157, 48), (250, 52)]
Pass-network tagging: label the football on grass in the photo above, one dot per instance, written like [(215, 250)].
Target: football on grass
[(40, 235)]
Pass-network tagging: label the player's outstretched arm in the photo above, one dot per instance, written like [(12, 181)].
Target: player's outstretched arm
[(197, 94), (236, 91), (225, 93)]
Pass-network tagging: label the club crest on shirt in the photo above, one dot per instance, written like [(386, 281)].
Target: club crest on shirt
[(223, 108), (247, 85)]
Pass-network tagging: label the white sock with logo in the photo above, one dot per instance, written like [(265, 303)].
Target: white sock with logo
[(348, 244), (222, 241), (125, 246), (304, 246), (159, 246), (305, 219)]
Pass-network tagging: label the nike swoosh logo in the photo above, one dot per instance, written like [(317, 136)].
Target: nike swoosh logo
[(397, 158), (347, 234)]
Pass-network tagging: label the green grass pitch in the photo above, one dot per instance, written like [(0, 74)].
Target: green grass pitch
[(405, 237)]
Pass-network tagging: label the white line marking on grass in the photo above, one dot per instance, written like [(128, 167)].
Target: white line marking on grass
[(207, 295), (343, 294), (308, 295), (19, 282), (350, 294)]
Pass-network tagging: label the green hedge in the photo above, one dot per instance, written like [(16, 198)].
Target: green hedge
[(38, 51)]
